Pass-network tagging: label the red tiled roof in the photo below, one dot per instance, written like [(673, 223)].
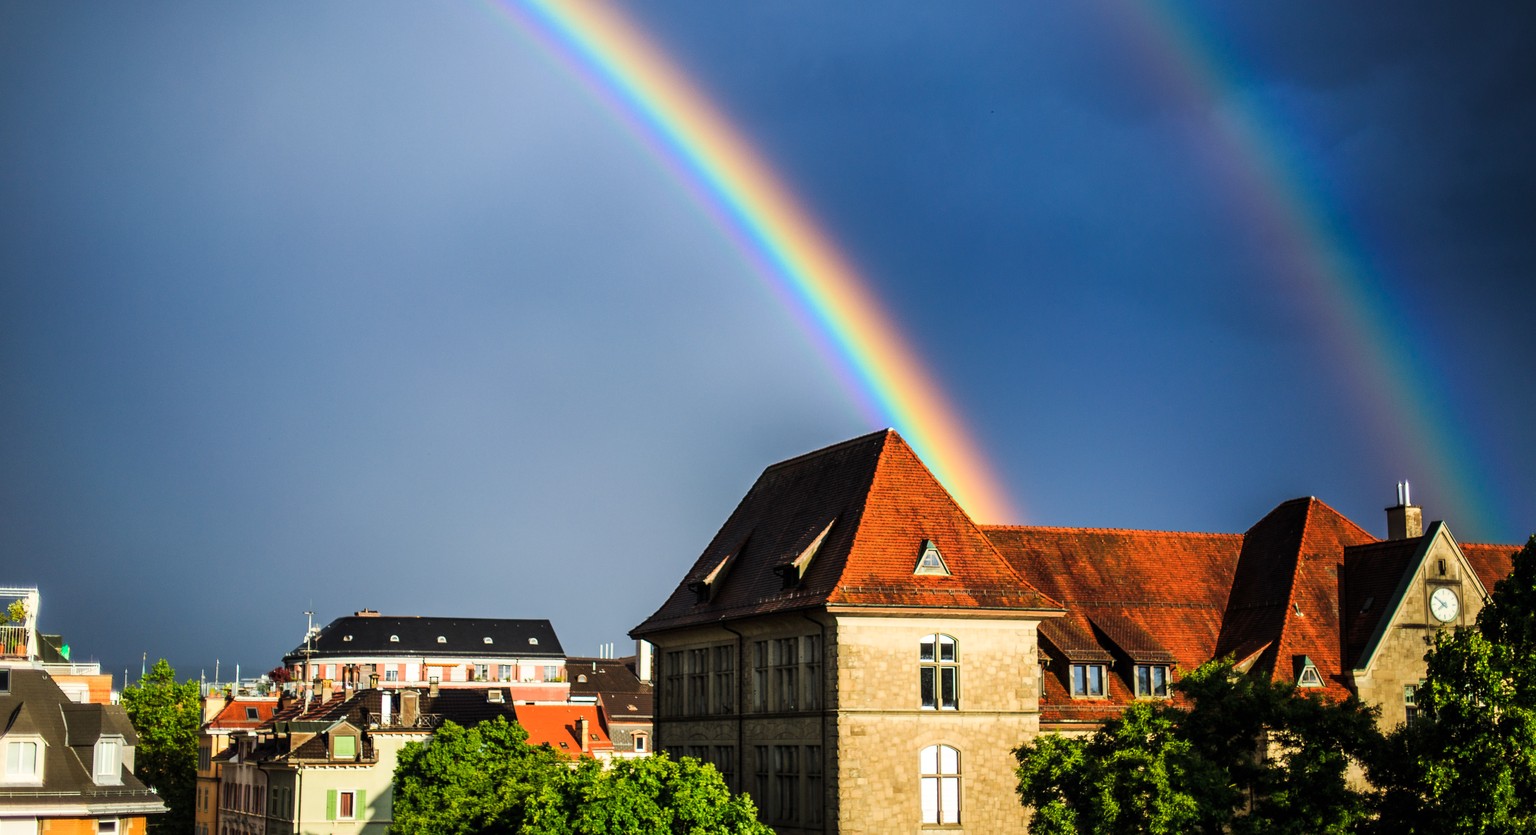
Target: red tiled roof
[(1491, 562), (234, 715), (555, 726), (881, 503)]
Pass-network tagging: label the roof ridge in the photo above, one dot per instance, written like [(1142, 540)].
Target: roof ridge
[(1088, 529), (815, 453)]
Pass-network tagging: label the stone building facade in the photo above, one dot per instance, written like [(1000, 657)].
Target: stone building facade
[(861, 657)]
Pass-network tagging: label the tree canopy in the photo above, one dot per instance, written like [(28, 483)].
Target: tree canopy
[(166, 715), (487, 778), (1163, 767)]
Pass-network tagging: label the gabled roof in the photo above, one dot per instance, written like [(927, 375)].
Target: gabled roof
[(881, 503), (370, 635), (620, 693), (1492, 563), (1286, 591), (35, 706)]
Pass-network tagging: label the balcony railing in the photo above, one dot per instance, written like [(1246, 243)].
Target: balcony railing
[(13, 642)]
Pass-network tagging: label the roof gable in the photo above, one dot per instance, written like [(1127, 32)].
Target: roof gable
[(850, 521), (1408, 560)]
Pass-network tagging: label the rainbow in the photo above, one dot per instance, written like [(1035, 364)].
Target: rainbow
[(1246, 147), (776, 233)]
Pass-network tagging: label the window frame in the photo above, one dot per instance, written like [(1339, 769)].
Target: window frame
[(934, 781), (1158, 677), (33, 777), (111, 745), (1085, 691), (938, 676)]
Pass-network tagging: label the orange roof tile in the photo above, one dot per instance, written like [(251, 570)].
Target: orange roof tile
[(556, 726)]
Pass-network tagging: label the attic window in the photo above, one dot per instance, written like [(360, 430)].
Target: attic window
[(488, 640), (346, 638), (792, 571), (394, 639), (442, 639), (1306, 672), (533, 642), (930, 561), (252, 713), (703, 590)]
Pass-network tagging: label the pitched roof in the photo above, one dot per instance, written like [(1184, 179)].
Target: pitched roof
[(844, 526), (389, 635), (1371, 576), (621, 693), (34, 705), (556, 726), (238, 713), (1491, 562)]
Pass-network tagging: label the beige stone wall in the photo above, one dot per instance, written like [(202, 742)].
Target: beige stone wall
[(1399, 658), (881, 726)]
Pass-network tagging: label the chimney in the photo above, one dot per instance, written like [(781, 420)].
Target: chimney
[(384, 706), (432, 687), (582, 730), (410, 707), (325, 690), (366, 613), (1404, 520), (643, 650)]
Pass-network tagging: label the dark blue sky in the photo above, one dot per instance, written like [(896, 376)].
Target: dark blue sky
[(375, 305)]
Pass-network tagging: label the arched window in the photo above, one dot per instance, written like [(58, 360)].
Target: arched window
[(939, 672), (939, 769)]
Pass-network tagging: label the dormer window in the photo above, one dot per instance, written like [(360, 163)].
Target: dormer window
[(394, 639), (533, 642), (1306, 672), (442, 639), (23, 761), (794, 570), (109, 760), (346, 639), (344, 748), (930, 561), (488, 639), (252, 713)]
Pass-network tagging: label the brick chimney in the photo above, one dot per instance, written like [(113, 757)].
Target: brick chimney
[(1404, 520), (583, 730), (410, 707)]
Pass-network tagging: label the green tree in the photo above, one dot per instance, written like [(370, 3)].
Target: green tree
[(1245, 755), (1468, 764), (166, 715), (487, 778)]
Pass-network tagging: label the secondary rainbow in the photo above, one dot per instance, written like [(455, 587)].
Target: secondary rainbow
[(1249, 150), (775, 231)]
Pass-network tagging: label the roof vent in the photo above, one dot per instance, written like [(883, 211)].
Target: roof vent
[(930, 561)]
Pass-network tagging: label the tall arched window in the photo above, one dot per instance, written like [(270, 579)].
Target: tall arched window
[(939, 672), (939, 767)]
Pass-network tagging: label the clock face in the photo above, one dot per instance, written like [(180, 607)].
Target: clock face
[(1444, 605)]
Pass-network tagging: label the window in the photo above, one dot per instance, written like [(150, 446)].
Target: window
[(488, 640), (482, 672), (1410, 704), (346, 747), (109, 760), (442, 639), (23, 763), (939, 673), (343, 805), (5, 681), (639, 743), (252, 714), (551, 672), (672, 684), (812, 672), (760, 775), (1152, 680), (698, 681), (394, 639), (504, 672), (760, 676), (391, 675), (1087, 680), (786, 773), (813, 786), (725, 679), (786, 673), (105, 825), (939, 767), (725, 763)]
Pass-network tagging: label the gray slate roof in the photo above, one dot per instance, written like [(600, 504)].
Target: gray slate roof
[(462, 637)]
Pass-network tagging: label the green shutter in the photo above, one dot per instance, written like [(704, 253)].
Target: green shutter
[(360, 806), (330, 804)]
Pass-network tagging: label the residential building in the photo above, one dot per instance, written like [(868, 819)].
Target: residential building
[(862, 657), (624, 701), (522, 655), (66, 752), (224, 713)]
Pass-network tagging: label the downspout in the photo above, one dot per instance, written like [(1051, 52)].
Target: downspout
[(741, 719), (821, 700)]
